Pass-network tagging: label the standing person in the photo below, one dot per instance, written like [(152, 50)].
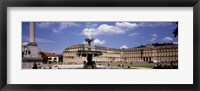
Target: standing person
[(35, 66), (84, 62)]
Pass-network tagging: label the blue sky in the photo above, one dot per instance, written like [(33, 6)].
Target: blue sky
[(56, 36)]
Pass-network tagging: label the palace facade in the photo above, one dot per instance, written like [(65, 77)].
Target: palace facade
[(165, 52)]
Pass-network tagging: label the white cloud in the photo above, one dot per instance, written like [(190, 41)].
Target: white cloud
[(167, 39), (44, 24), (152, 39), (57, 26), (102, 29), (105, 28), (126, 24), (154, 35), (133, 34), (97, 41), (55, 31), (123, 47), (118, 28), (154, 24), (121, 27), (93, 32), (63, 25), (91, 25), (175, 42)]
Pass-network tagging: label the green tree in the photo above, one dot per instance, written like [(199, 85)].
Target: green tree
[(45, 57), (175, 31), (60, 58)]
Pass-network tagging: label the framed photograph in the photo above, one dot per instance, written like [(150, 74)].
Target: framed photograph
[(100, 45)]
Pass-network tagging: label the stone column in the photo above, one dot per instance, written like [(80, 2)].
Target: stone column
[(32, 31)]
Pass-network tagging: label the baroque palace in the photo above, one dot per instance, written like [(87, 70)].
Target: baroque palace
[(165, 52)]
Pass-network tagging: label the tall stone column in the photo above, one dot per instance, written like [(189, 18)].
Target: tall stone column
[(32, 31), (33, 53)]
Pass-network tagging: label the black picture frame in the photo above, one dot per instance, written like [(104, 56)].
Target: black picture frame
[(99, 3)]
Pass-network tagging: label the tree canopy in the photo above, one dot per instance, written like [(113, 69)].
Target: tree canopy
[(175, 31)]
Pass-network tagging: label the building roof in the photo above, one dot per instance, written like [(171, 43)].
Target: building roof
[(50, 54), (153, 45)]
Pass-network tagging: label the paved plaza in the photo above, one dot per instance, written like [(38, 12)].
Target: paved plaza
[(98, 67)]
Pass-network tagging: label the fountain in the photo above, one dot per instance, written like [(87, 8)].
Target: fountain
[(89, 54)]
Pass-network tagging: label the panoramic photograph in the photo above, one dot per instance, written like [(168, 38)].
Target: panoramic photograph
[(99, 45)]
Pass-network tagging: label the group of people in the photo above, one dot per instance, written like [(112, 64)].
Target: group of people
[(165, 66), (36, 66)]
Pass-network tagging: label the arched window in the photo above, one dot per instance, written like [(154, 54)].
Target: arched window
[(54, 58)]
